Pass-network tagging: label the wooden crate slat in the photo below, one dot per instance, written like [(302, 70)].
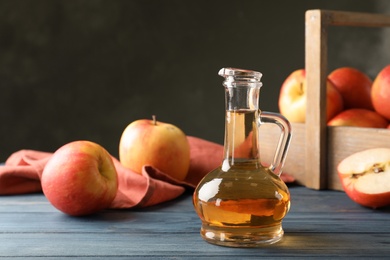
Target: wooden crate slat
[(315, 66), (341, 18)]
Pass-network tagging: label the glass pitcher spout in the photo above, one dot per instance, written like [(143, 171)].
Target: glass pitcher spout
[(242, 88), (242, 203)]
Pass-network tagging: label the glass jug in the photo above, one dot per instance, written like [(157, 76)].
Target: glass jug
[(242, 203)]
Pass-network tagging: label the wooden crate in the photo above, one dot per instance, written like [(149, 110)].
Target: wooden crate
[(316, 149)]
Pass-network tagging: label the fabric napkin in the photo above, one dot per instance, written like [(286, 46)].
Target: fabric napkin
[(22, 171)]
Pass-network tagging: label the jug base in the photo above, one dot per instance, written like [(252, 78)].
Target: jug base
[(241, 236)]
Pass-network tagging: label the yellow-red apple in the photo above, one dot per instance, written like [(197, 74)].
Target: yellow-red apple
[(292, 98), (161, 145), (80, 178), (359, 117), (354, 86), (365, 177), (380, 92)]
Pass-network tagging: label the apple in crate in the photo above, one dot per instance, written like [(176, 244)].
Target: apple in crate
[(359, 117), (80, 178), (161, 145), (292, 98), (354, 86), (365, 177), (380, 92)]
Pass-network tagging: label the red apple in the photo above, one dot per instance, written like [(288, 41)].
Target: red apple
[(161, 145), (359, 117), (292, 98), (354, 86), (365, 177), (80, 178), (380, 92)]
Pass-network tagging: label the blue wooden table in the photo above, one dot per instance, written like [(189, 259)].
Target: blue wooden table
[(320, 224)]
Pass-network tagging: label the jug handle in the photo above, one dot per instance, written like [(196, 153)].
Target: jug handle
[(284, 139)]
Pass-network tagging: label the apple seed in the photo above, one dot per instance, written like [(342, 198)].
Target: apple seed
[(377, 168), (356, 175)]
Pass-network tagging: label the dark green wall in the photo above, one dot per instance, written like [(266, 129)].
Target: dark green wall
[(74, 70)]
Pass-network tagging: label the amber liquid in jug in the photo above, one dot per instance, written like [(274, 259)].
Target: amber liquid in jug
[(242, 203)]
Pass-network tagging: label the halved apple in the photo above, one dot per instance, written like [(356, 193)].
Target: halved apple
[(365, 177)]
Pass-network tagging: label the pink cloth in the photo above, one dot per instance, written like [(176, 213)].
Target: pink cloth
[(22, 171)]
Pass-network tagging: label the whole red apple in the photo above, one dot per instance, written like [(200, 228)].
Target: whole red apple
[(80, 178), (354, 86), (380, 92), (161, 145), (365, 177), (292, 98), (359, 117)]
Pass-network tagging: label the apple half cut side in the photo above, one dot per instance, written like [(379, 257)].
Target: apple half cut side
[(365, 177)]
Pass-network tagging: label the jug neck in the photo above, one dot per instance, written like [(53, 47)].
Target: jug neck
[(242, 88), (241, 144)]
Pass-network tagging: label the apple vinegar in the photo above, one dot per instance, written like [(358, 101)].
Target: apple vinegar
[(242, 203)]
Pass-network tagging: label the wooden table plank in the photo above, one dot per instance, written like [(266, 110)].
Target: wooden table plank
[(126, 244), (320, 224)]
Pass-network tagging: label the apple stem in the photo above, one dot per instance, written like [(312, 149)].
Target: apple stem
[(154, 120), (301, 89)]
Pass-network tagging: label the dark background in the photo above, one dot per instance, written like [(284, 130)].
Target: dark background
[(73, 70)]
